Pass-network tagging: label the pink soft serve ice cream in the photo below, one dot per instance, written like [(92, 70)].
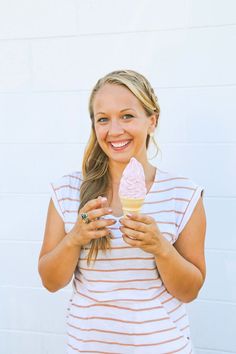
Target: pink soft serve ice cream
[(132, 190), (132, 183)]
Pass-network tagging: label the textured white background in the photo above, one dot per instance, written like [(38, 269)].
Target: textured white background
[(51, 54)]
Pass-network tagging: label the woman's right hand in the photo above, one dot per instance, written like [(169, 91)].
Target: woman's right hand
[(82, 233)]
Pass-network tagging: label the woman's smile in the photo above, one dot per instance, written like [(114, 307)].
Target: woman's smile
[(120, 145)]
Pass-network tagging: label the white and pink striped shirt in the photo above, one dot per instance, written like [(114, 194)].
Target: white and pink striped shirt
[(119, 303)]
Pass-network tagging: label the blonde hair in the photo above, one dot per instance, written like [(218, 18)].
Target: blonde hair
[(96, 178)]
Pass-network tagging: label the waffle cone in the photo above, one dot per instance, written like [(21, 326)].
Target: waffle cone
[(131, 205)]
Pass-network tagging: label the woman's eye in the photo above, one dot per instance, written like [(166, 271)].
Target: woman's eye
[(102, 120), (127, 116)]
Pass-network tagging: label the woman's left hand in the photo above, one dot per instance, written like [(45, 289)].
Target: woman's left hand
[(142, 231)]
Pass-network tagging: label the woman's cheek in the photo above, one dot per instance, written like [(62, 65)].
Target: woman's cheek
[(101, 133)]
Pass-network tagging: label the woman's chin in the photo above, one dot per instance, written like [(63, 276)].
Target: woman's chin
[(121, 159)]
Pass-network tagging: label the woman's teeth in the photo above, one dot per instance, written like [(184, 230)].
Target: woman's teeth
[(118, 145)]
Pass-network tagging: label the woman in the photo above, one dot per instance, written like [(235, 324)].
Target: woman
[(132, 275)]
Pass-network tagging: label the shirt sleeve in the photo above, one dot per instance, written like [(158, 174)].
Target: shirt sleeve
[(65, 194), (187, 196), (58, 189)]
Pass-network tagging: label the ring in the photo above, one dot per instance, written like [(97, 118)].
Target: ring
[(85, 218)]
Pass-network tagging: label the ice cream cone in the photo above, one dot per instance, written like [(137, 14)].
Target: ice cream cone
[(131, 205)]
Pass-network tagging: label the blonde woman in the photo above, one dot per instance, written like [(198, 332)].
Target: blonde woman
[(131, 276)]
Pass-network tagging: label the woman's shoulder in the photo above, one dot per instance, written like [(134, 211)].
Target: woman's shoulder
[(71, 180), (74, 178), (183, 191), (67, 187), (175, 179)]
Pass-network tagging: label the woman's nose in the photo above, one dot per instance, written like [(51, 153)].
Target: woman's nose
[(115, 128)]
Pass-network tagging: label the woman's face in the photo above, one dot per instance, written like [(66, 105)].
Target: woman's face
[(121, 124)]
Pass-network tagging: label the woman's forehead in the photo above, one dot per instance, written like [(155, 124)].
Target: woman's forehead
[(115, 97)]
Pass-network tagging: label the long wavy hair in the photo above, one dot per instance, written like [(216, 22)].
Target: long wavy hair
[(95, 170)]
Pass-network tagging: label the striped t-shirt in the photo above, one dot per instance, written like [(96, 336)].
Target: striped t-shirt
[(119, 304)]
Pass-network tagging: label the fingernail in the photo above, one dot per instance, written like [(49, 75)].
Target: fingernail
[(110, 210), (104, 199), (129, 215)]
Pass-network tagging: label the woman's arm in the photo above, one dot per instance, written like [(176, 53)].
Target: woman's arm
[(182, 265), (59, 256), (60, 251)]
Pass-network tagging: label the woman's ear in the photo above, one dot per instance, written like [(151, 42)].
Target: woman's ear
[(153, 123)]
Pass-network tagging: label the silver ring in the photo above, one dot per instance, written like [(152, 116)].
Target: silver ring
[(85, 218)]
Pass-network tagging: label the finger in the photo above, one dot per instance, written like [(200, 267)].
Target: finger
[(91, 205), (132, 233), (104, 202), (101, 223), (97, 213), (95, 234), (141, 218), (135, 225), (131, 242)]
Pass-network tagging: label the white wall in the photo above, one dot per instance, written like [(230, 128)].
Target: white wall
[(51, 53)]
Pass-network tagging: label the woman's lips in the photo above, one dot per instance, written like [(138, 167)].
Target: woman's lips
[(119, 145)]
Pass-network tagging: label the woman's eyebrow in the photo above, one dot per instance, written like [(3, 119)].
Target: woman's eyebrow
[(125, 109)]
